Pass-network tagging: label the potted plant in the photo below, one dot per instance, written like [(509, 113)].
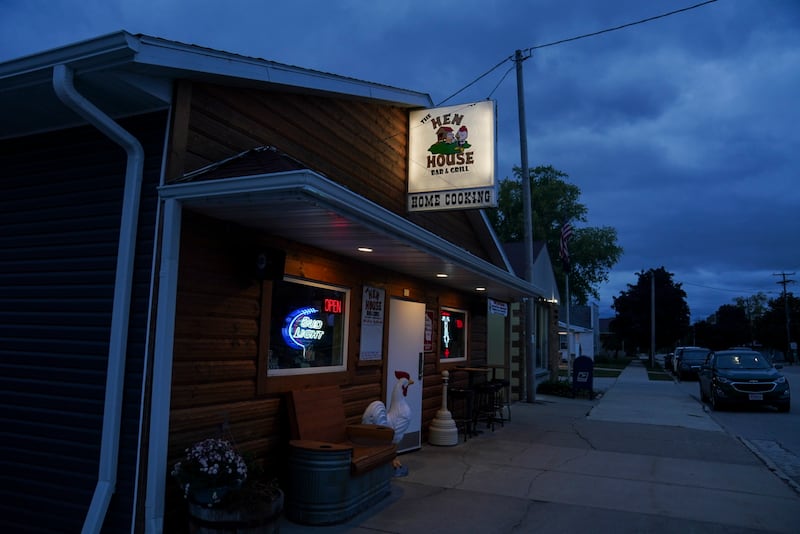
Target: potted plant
[(210, 470), (214, 478)]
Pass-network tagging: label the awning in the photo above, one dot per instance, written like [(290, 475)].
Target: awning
[(308, 208)]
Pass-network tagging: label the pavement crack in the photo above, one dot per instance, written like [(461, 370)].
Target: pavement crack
[(533, 481), (583, 437), (520, 524)]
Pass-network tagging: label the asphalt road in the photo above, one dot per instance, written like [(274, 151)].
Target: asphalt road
[(773, 436)]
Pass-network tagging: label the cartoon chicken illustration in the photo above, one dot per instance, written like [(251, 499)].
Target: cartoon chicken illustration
[(461, 138)]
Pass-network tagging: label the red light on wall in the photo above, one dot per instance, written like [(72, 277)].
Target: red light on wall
[(333, 306)]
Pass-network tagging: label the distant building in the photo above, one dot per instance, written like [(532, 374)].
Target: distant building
[(546, 309), (584, 327)]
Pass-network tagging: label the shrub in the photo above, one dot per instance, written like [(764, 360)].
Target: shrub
[(559, 388)]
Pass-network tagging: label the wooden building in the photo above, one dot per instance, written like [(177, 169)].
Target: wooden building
[(176, 221)]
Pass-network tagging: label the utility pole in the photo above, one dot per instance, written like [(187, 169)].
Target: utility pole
[(530, 310), (652, 318), (789, 356)]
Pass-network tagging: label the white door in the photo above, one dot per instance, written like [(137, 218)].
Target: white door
[(406, 346)]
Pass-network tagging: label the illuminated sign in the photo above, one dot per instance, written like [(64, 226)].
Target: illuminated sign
[(446, 334), (453, 334), (301, 329), (452, 158), (333, 306)]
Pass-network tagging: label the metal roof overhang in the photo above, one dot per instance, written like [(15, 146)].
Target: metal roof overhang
[(125, 74), (308, 208)]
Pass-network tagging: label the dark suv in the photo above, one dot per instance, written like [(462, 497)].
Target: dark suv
[(743, 376), (687, 361)]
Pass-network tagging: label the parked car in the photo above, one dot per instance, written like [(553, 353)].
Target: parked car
[(743, 377), (672, 368), (668, 357), (687, 361)]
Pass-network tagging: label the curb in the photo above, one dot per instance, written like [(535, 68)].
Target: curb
[(771, 465)]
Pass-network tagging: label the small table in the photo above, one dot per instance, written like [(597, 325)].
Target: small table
[(473, 372)]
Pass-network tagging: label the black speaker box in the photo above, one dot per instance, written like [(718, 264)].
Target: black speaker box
[(269, 264)]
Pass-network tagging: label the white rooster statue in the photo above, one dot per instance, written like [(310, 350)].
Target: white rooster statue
[(397, 416)]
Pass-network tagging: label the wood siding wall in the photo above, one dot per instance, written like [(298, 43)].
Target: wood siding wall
[(218, 320), (60, 203), (217, 386), (360, 145)]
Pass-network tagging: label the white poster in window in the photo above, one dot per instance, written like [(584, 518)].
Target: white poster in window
[(498, 308), (372, 315)]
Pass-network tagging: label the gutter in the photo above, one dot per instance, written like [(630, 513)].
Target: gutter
[(115, 373)]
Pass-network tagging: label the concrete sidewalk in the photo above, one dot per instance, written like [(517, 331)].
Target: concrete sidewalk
[(643, 458), (634, 398)]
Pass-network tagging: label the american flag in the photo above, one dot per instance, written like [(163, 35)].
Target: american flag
[(566, 235)]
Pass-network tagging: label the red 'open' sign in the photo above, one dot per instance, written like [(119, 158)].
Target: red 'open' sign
[(333, 306)]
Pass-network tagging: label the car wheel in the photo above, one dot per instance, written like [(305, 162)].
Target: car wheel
[(784, 407), (703, 397), (716, 404)]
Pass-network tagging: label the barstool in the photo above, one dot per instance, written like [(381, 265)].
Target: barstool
[(461, 409), (502, 399), (486, 410)]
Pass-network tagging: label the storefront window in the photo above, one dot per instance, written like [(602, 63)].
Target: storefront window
[(453, 334), (542, 336), (308, 328)]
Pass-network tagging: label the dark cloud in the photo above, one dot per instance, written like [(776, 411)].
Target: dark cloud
[(682, 133)]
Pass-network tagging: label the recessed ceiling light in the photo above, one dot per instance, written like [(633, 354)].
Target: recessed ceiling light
[(441, 275), (364, 249)]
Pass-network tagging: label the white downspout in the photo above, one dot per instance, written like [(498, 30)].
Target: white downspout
[(115, 373)]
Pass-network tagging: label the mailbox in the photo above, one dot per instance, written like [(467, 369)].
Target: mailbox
[(583, 376)]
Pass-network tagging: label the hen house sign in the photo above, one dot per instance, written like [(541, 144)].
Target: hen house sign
[(452, 158)]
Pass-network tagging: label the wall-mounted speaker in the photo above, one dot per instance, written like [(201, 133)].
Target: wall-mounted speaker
[(270, 263)]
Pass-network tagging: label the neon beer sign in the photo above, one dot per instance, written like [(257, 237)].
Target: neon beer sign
[(446, 333), (452, 333), (302, 329)]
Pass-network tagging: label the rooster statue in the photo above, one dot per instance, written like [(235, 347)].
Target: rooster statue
[(397, 416)]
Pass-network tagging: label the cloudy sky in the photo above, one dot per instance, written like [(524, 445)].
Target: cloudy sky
[(683, 133)]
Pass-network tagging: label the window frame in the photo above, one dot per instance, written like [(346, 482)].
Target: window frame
[(465, 356), (277, 373)]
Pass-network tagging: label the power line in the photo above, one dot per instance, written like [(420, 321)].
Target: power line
[(476, 80), (562, 41), (728, 290), (628, 25), (512, 67)]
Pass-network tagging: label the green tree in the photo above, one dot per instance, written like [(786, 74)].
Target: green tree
[(730, 328), (754, 306), (732, 324), (633, 310), (771, 326), (593, 251)]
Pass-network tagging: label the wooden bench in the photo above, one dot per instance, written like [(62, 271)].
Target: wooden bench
[(336, 470)]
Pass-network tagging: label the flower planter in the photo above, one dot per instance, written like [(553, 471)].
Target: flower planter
[(208, 496), (256, 518)]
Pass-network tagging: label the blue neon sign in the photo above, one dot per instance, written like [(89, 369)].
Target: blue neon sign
[(301, 329)]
